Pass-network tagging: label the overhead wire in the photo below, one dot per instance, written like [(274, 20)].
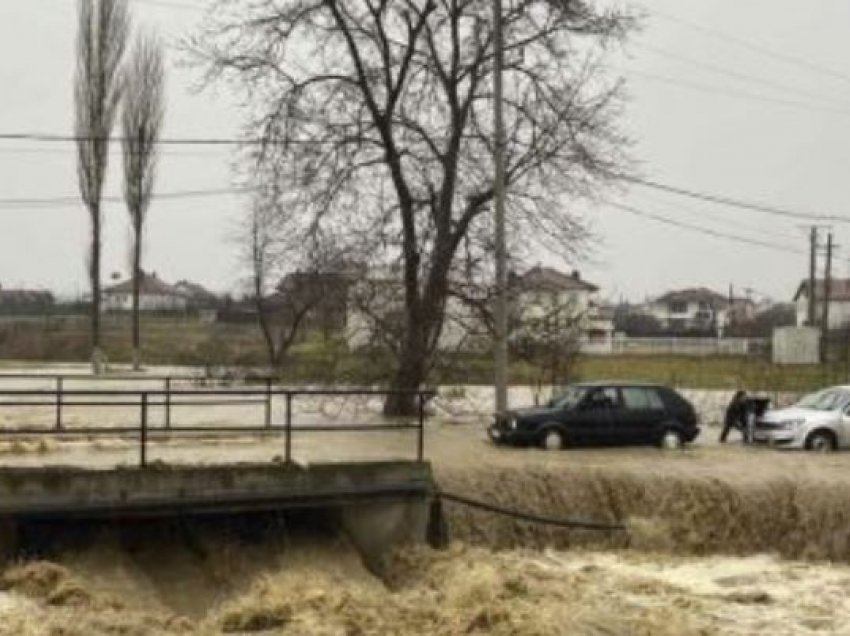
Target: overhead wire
[(64, 201), (787, 249), (756, 48), (713, 215), (675, 56), (735, 202), (738, 94)]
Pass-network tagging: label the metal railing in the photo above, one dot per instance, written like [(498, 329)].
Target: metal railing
[(60, 398)]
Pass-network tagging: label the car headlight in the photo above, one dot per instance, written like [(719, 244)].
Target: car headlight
[(511, 421), (791, 424)]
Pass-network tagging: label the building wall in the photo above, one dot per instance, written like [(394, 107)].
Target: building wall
[(689, 318), (147, 302), (839, 312)]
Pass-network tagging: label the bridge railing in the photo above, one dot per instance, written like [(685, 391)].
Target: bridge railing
[(60, 399), (167, 383)]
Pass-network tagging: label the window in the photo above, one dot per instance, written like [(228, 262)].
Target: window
[(678, 307), (602, 398), (640, 399)]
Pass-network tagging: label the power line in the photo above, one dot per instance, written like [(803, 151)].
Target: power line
[(71, 151), (669, 54), (49, 202), (738, 203), (761, 50), (166, 141), (738, 94), (653, 201), (786, 249), (169, 141)]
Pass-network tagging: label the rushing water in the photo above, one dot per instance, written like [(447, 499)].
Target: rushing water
[(700, 557)]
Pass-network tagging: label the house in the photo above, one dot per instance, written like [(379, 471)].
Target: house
[(544, 290), (154, 295), (17, 301), (839, 302), (197, 296), (695, 309), (376, 309)]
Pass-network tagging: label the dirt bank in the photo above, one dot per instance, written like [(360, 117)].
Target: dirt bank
[(672, 513)]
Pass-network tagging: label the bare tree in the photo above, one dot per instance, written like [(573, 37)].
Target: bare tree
[(380, 113), (101, 39), (548, 338), (289, 283), (141, 121)]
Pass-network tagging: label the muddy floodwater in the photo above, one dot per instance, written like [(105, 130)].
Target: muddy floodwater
[(322, 588), (718, 540)]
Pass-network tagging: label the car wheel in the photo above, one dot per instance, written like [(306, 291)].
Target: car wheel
[(671, 439), (821, 442), (553, 440)]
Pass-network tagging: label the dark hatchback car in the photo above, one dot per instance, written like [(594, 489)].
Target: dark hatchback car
[(612, 413)]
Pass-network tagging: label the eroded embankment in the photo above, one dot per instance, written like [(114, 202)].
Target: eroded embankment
[(795, 519)]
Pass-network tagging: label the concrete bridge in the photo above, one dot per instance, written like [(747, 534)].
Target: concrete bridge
[(377, 503)]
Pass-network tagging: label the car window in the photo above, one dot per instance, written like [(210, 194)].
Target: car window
[(571, 396), (602, 398), (827, 400), (640, 399)]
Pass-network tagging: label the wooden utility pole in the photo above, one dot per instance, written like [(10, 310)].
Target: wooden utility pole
[(813, 247), (501, 348), (827, 295)]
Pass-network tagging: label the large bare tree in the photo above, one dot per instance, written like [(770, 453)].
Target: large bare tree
[(103, 26), (141, 122), (378, 114)]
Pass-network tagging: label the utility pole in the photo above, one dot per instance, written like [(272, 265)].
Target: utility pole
[(501, 309), (827, 294), (813, 247)]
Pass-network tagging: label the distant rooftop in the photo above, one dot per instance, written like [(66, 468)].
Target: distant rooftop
[(550, 279)]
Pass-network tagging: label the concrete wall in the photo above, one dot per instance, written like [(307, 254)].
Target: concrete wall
[(796, 345), (380, 504)]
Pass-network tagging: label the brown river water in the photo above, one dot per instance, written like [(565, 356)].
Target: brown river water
[(719, 540)]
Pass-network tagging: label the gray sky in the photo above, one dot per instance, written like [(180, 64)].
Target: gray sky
[(780, 135)]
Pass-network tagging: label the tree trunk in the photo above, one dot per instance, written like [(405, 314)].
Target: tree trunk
[(411, 371), (137, 283), (96, 353)]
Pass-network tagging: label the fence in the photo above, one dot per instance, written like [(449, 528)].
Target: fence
[(59, 398), (679, 346)]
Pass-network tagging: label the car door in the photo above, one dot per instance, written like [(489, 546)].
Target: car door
[(591, 421), (642, 414), (842, 432)]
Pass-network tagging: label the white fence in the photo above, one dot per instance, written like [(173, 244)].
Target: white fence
[(678, 346)]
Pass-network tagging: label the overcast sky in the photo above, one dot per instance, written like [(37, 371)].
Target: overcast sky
[(747, 99)]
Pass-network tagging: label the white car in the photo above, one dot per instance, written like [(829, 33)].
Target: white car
[(819, 421)]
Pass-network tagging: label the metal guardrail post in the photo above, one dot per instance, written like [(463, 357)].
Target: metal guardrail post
[(268, 402), (288, 447), (168, 402), (143, 437), (420, 441), (58, 402)]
